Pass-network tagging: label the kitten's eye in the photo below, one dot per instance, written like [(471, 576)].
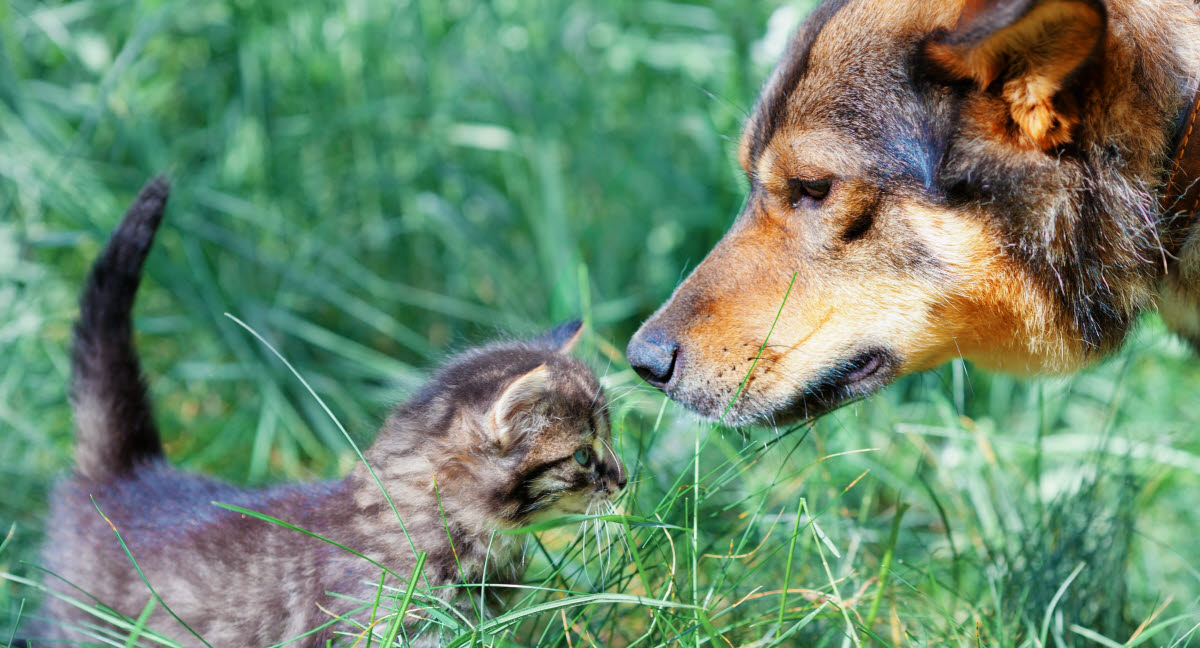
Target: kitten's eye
[(815, 190), (583, 456)]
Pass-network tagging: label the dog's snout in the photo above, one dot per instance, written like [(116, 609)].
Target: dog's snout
[(652, 354)]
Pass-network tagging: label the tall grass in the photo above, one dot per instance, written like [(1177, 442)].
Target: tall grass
[(371, 183)]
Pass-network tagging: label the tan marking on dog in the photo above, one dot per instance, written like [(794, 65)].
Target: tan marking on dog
[(808, 154), (923, 280), (981, 305), (994, 312), (1040, 50)]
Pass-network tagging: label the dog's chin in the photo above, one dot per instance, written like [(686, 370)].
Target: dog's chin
[(849, 380)]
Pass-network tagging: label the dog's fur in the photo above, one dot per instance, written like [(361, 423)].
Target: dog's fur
[(995, 173)]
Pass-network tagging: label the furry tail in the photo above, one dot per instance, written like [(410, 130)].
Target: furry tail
[(114, 424)]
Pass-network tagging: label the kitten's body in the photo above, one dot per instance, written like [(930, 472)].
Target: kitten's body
[(497, 437)]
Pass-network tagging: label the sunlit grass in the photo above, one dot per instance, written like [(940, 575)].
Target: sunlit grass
[(371, 184)]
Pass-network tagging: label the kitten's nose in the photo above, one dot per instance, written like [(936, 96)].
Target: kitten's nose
[(652, 353), (614, 477)]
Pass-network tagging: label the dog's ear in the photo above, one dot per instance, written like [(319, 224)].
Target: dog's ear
[(1028, 52)]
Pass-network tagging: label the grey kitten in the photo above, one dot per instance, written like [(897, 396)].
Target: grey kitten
[(500, 436)]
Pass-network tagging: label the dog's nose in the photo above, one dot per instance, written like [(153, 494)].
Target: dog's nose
[(652, 354)]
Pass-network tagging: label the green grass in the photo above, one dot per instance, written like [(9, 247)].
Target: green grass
[(372, 183)]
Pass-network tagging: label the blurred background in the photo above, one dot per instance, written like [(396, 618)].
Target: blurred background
[(372, 184)]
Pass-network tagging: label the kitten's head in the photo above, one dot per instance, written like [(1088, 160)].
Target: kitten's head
[(518, 427)]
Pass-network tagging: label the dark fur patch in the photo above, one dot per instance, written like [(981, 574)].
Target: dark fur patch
[(772, 107), (114, 421)]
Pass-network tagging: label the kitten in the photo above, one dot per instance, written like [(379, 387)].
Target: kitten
[(500, 436)]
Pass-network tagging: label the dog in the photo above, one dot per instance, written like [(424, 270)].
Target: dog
[(1007, 181)]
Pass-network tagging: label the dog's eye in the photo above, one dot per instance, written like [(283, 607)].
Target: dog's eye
[(799, 189)]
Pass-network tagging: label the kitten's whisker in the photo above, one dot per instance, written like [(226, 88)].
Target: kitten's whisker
[(620, 465), (612, 401), (621, 534), (600, 392), (586, 572), (599, 546), (600, 560), (608, 544)]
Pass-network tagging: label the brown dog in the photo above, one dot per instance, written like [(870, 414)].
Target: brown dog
[(939, 178)]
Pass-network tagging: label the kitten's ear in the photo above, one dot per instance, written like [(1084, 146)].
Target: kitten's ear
[(520, 398), (1033, 48), (561, 338)]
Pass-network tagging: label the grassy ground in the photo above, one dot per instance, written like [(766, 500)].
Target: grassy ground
[(370, 183)]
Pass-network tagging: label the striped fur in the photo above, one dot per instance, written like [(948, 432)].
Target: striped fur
[(501, 436)]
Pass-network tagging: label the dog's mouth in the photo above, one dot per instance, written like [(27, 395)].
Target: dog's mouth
[(862, 367), (856, 377)]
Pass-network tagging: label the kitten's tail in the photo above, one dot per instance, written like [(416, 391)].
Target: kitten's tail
[(114, 424)]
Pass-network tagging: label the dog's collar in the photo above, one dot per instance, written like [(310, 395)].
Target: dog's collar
[(1181, 196)]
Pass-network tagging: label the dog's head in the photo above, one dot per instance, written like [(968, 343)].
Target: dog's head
[(924, 183)]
